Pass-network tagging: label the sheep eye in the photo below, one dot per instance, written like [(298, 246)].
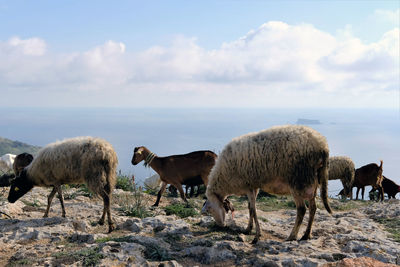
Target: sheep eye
[(16, 189)]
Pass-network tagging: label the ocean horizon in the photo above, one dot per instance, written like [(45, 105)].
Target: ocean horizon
[(365, 135)]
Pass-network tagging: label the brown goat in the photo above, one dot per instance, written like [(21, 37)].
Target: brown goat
[(176, 169), (21, 161), (389, 187), (370, 174)]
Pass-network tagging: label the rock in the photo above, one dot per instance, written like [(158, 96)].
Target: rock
[(81, 238), (80, 225), (130, 225), (359, 262)]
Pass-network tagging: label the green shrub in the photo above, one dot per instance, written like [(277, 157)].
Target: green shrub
[(134, 204), (155, 252), (124, 183), (88, 256), (180, 210)]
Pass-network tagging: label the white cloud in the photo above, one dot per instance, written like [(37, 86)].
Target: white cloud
[(275, 65), (389, 16)]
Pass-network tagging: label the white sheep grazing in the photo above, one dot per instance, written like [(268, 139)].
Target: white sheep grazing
[(6, 162), (341, 167), (281, 160), (77, 160)]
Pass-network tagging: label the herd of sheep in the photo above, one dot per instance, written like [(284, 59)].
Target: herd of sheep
[(290, 160)]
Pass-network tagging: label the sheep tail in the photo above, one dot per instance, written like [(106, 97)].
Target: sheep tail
[(323, 178)]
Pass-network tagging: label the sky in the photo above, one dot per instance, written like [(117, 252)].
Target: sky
[(264, 54)]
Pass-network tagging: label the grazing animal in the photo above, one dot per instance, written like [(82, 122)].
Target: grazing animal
[(341, 167), (176, 169), (77, 160), (6, 162), (21, 161), (370, 174), (281, 160), (389, 187), (5, 179)]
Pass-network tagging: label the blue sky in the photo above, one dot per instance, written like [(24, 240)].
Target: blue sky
[(200, 53)]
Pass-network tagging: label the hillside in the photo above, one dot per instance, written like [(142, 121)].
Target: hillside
[(15, 147), (359, 233)]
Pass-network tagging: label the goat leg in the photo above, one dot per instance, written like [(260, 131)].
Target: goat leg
[(162, 189)]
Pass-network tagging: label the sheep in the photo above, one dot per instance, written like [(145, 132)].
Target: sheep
[(176, 169), (287, 159), (153, 182), (77, 160), (21, 161), (389, 187), (341, 167), (6, 162), (370, 174)]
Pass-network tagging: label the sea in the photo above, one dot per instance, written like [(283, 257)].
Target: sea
[(365, 135)]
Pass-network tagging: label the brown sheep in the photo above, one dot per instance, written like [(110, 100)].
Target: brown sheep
[(176, 169)]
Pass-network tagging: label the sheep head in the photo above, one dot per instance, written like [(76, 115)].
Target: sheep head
[(215, 206), (19, 187), (138, 155)]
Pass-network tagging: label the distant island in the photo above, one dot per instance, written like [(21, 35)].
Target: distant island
[(307, 121), (16, 147)]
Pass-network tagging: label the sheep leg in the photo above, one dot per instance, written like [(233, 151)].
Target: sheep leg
[(250, 223), (61, 198), (49, 200), (162, 189), (107, 210), (362, 192), (301, 210), (252, 203), (312, 210)]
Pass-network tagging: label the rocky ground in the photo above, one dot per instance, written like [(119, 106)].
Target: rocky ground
[(355, 235)]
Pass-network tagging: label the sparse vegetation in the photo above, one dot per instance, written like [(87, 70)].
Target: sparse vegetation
[(127, 239), (181, 210), (88, 256), (392, 226), (133, 204), (21, 262), (124, 183), (155, 252)]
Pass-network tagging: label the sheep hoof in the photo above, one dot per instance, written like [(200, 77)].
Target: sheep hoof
[(111, 227), (305, 237), (291, 238), (45, 216), (255, 240), (247, 231), (101, 222)]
